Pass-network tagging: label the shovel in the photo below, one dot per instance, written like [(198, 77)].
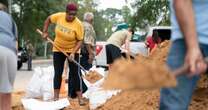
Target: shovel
[(51, 41)]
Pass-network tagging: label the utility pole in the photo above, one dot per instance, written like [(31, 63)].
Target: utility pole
[(10, 6), (45, 49)]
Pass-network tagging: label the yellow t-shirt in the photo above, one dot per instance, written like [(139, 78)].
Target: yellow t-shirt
[(67, 34)]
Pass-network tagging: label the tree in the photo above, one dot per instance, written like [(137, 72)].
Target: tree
[(151, 12), (126, 13), (31, 14)]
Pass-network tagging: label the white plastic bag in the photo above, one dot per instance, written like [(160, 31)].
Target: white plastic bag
[(34, 86), (41, 84), (47, 83), (34, 104)]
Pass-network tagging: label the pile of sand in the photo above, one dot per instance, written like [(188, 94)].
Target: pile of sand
[(141, 73), (93, 76), (16, 100), (149, 99)]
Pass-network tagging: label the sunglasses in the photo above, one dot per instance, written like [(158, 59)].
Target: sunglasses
[(73, 13)]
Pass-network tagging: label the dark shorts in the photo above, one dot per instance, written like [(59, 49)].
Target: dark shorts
[(112, 53)]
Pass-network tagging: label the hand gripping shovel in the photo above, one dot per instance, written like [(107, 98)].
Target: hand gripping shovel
[(48, 39), (184, 69)]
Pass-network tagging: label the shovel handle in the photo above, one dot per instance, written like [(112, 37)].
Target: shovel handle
[(180, 71), (48, 39), (184, 68)]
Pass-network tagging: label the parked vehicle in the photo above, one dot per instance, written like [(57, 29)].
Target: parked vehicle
[(136, 45), (22, 56), (164, 32)]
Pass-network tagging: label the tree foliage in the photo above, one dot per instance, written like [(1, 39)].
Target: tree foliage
[(151, 12)]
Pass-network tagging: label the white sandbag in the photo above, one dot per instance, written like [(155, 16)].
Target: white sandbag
[(33, 89), (96, 95), (34, 104), (47, 86), (41, 84), (98, 98)]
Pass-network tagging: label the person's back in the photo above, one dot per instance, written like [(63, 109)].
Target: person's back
[(7, 31), (118, 38), (89, 42)]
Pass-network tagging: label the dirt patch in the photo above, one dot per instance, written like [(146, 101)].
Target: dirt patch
[(199, 100), (93, 76), (133, 100), (17, 105), (149, 100), (16, 100)]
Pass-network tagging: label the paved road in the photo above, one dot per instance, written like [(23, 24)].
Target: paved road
[(23, 76)]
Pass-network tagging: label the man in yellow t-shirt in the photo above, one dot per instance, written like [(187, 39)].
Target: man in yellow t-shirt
[(68, 36)]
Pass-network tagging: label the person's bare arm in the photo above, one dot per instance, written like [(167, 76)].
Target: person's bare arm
[(127, 42), (45, 27), (17, 46), (185, 16), (76, 48), (91, 52)]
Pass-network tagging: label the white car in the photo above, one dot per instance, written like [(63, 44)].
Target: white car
[(100, 58)]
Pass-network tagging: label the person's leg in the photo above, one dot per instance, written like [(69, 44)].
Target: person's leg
[(88, 64), (5, 101), (58, 62), (8, 67), (115, 53), (179, 97), (112, 53), (29, 63), (76, 84), (84, 61)]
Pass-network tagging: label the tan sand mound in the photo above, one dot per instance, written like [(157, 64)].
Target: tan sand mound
[(133, 100), (141, 73), (16, 100), (149, 99)]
